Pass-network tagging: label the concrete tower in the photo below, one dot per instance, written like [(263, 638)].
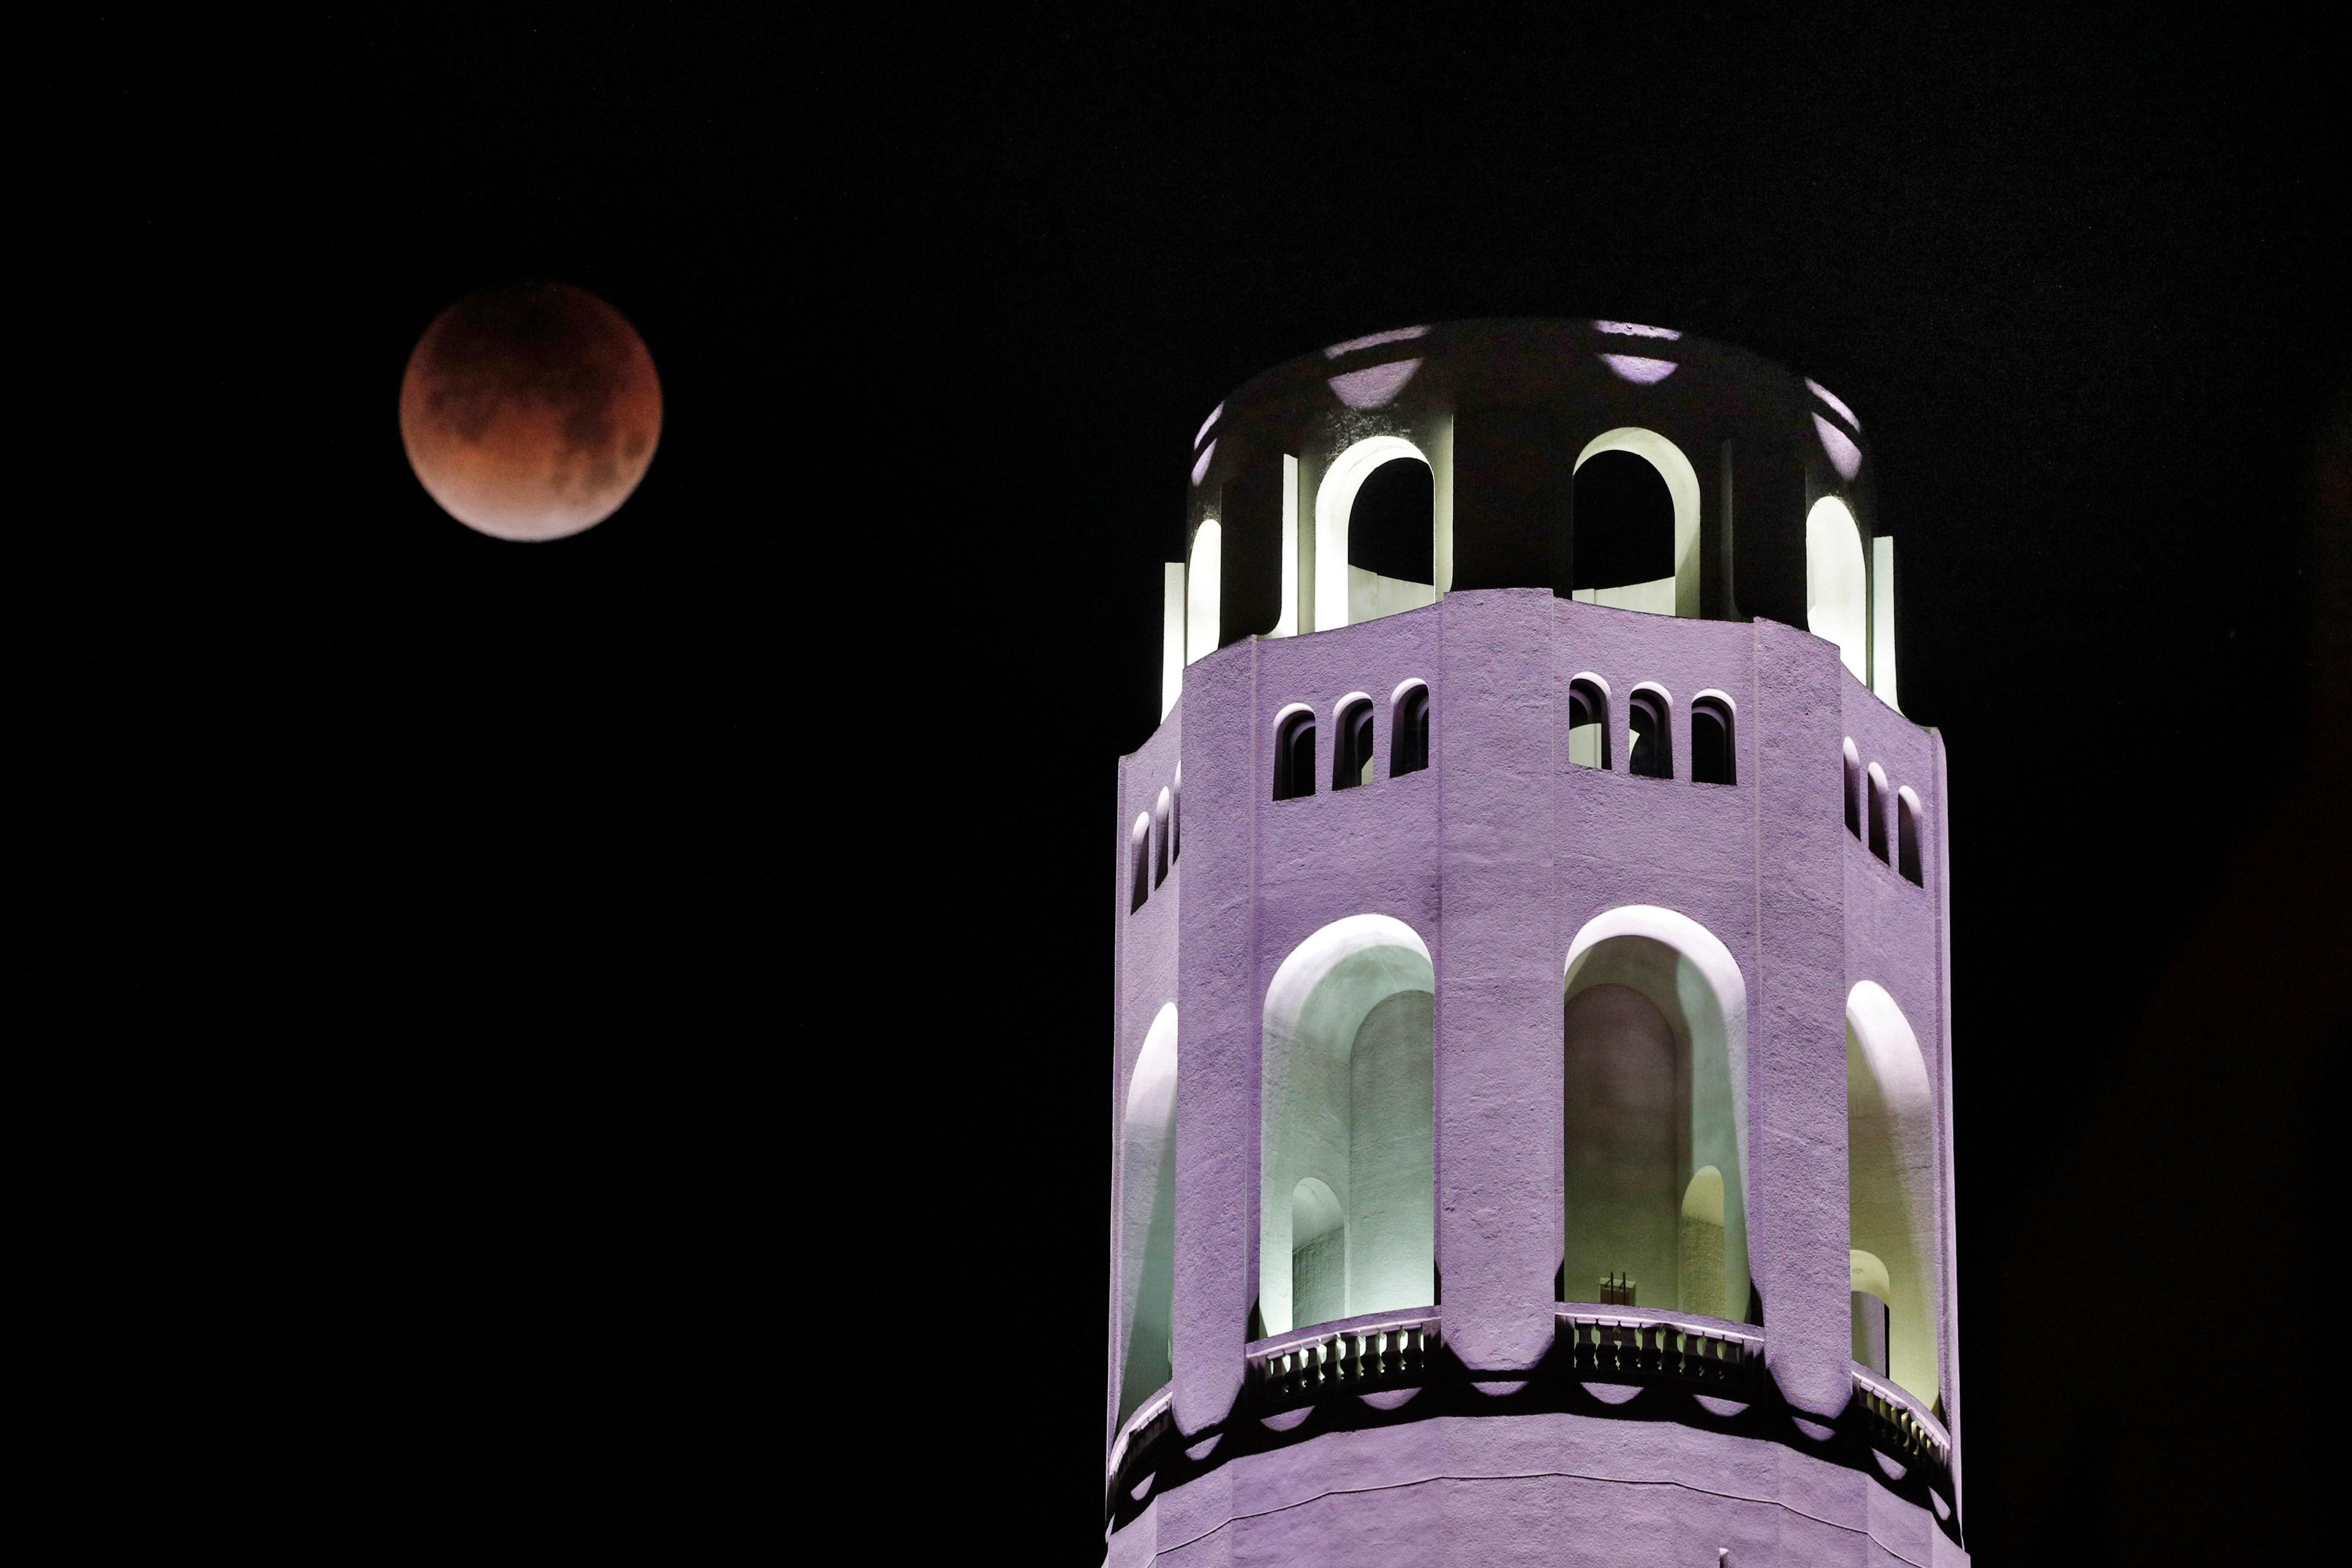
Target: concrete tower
[(1530, 1119)]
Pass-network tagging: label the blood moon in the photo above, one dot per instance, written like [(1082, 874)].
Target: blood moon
[(531, 410)]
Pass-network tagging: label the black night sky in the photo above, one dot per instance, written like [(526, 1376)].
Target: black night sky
[(717, 1160)]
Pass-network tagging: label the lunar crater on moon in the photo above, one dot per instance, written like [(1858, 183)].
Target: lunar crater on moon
[(530, 411)]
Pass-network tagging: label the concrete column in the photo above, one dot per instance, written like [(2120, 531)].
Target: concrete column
[(1493, 737), (1217, 992), (1796, 1021)]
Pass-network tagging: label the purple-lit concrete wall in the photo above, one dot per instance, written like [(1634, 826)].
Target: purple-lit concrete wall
[(1497, 855)]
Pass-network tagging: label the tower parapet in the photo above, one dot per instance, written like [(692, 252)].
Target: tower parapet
[(1533, 1071)]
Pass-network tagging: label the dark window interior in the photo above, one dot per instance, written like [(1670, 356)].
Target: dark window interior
[(1853, 797), (1908, 835), (1586, 706), (1393, 529), (1712, 760), (1294, 758), (1140, 849), (1877, 819), (1351, 747), (1408, 747), (1623, 522), (1653, 754)]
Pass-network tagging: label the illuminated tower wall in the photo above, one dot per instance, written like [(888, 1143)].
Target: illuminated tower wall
[(1530, 1118)]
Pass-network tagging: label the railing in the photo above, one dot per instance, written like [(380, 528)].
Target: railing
[(1627, 1340), (1357, 1355), (1138, 1428), (1898, 1417)]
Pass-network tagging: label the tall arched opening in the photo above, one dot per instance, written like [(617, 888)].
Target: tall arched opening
[(1624, 556), (1203, 591), (1654, 1125), (1891, 1188), (1346, 1190), (1147, 1216), (1837, 586), (1375, 533)]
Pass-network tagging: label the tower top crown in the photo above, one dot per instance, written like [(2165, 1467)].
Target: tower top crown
[(1616, 462)]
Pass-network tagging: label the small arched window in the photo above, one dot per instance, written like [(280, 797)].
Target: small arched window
[(1139, 852), (1650, 713), (1161, 814), (1907, 835), (1588, 723), (1409, 729), (1351, 745), (1176, 817), (1853, 789), (1877, 808), (1294, 755), (1713, 758)]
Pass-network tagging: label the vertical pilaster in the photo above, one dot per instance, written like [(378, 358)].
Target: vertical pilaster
[(1217, 1035), (1498, 1013), (1948, 1259), (1796, 1050)]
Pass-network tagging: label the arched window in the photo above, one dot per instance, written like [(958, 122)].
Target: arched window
[(1147, 1216), (1351, 744), (1294, 754), (1588, 723), (1877, 807), (1624, 522), (1853, 789), (1891, 1192), (1203, 591), (1654, 1076), (1375, 533), (1159, 818), (1634, 526), (1346, 1196), (1409, 729), (1138, 844), (1713, 758), (1907, 835), (1176, 817), (1837, 586), (1650, 711)]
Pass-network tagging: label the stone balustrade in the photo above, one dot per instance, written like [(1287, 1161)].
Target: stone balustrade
[(1628, 1340)]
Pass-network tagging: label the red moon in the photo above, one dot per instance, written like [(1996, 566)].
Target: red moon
[(531, 410)]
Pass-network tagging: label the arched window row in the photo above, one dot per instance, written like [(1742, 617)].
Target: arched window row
[(1356, 741), (1155, 842), (1714, 752), (1653, 1174), (1869, 800)]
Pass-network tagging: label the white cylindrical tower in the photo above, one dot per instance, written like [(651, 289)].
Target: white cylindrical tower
[(1530, 1118)]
